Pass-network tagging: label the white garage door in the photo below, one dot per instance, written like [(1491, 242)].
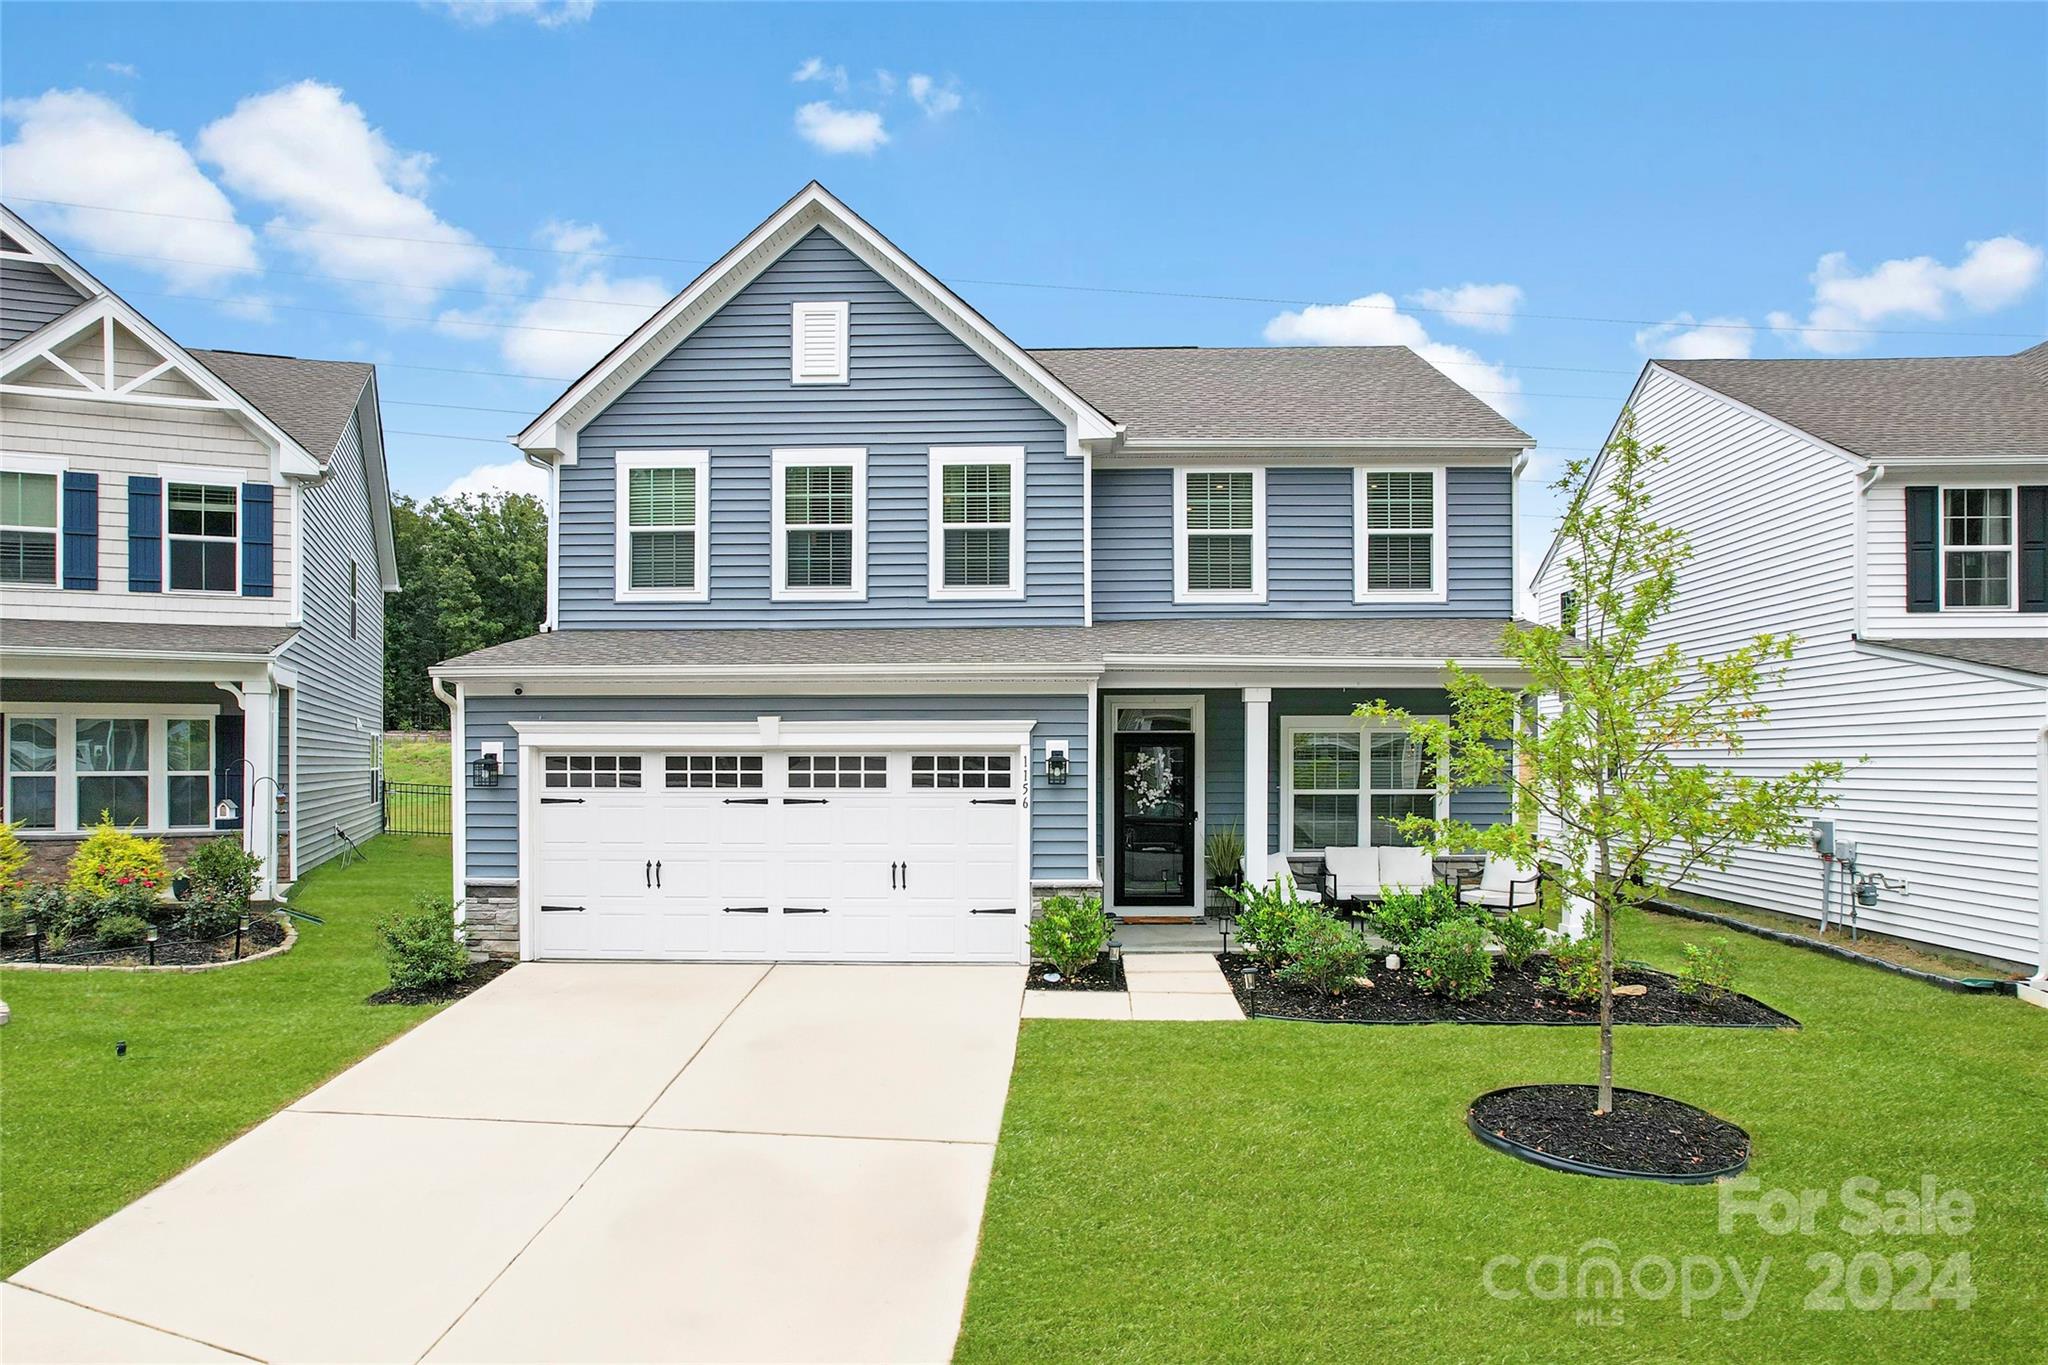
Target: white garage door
[(838, 856)]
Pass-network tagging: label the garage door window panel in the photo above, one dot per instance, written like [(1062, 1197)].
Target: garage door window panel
[(595, 772), (720, 772), (970, 772), (838, 772)]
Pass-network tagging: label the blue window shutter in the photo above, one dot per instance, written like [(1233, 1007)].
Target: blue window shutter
[(259, 522), (228, 772), (2034, 547), (145, 534), (1923, 550), (81, 530)]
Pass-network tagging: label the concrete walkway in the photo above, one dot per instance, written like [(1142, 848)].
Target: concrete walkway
[(603, 1162), (1160, 986)]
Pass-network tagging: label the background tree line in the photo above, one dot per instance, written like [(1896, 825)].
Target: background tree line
[(473, 572)]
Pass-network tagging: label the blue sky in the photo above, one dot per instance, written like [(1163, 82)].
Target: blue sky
[(452, 189)]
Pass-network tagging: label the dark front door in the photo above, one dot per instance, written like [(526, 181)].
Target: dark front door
[(1155, 820)]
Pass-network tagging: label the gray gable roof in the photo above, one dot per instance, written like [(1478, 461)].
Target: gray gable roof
[(2018, 653), (1308, 393), (141, 637), (1941, 408), (310, 400)]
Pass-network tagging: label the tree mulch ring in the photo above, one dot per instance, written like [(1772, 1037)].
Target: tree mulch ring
[(1645, 1137), (173, 948), (1103, 974), (1517, 996), (479, 975)]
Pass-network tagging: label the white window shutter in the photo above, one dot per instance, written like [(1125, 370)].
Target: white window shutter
[(817, 343)]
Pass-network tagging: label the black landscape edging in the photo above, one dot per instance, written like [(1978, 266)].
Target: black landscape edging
[(1567, 1166), (1105, 976), (1947, 983)]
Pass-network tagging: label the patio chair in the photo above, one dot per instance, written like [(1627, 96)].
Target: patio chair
[(1349, 877), (1501, 885)]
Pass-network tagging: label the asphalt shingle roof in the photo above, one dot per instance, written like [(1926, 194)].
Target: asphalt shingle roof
[(2021, 655), (1940, 408), (1371, 393), (309, 399), (141, 637), (1424, 639)]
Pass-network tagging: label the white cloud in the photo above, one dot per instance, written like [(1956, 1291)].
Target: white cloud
[(814, 69), (1685, 337), (78, 147), (1376, 320), (347, 201), (885, 81), (581, 314), (936, 100), (1991, 275), (829, 128), (126, 70), (545, 13), (514, 476), (1482, 307)]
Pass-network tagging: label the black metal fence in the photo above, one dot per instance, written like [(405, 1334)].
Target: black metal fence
[(417, 808)]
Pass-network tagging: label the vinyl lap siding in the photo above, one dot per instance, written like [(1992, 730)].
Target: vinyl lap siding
[(1884, 612), (1949, 795), (31, 296), (1059, 815), (339, 706), (1308, 546), (913, 385)]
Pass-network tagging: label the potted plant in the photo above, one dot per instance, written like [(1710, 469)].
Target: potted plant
[(1223, 859)]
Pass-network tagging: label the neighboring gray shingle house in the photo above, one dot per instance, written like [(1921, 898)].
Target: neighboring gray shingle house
[(1893, 514), (194, 552), (867, 625)]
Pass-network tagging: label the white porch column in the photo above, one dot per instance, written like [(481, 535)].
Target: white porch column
[(1258, 854), (259, 811)]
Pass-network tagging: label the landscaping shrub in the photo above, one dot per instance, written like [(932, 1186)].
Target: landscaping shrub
[(1574, 969), (1520, 937), (59, 915), (110, 858), (1450, 959), (1403, 917), (1328, 957), (207, 914), (13, 858), (1070, 932), (222, 865), (420, 947), (1708, 970), (120, 930), (1270, 918)]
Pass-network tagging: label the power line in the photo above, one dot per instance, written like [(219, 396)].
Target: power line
[(449, 436), (472, 245)]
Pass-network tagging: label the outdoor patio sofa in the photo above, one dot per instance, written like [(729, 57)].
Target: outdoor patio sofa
[(1350, 878)]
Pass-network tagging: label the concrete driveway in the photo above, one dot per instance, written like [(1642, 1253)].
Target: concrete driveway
[(602, 1162)]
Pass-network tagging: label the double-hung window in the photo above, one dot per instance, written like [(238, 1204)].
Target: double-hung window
[(201, 541), (1976, 548), (32, 771), (663, 518), (1349, 786), (188, 769), (1399, 545), (1219, 541), (820, 549), (111, 761), (28, 527), (977, 523)]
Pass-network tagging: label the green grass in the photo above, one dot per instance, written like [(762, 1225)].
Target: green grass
[(1275, 1191), (416, 760), (210, 1054)]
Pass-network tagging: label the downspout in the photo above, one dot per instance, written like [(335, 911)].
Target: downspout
[(458, 751), (1861, 588)]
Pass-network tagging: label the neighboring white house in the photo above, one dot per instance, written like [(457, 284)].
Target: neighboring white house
[(1893, 514)]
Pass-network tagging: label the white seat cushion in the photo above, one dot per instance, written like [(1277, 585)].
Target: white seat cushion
[(1500, 873), (1356, 870), (1494, 900), (1410, 869)]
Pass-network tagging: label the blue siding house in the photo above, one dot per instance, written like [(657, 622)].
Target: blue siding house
[(868, 627)]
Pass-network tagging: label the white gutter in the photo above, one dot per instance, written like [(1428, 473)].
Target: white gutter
[(458, 749), (1183, 443), (1869, 480)]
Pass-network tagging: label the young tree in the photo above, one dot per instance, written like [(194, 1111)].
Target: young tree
[(1617, 789)]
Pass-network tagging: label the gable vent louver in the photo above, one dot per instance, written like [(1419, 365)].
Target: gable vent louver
[(817, 343)]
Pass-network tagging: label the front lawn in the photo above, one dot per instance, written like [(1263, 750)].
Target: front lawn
[(210, 1054), (1295, 1191)]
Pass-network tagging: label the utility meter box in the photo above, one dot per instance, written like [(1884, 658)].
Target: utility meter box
[(1823, 834), (1845, 853)]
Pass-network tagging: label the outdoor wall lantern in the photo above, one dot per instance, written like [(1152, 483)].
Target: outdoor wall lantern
[(1056, 762), (484, 772)]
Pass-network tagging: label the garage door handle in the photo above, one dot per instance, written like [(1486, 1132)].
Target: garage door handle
[(561, 909), (804, 800), (657, 874), (746, 800), (803, 909), (561, 800), (648, 872), (892, 876), (993, 801), (1000, 910), (746, 909)]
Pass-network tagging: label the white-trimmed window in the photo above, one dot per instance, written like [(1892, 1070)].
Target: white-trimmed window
[(1977, 548), (1399, 542), (1219, 535), (188, 772), (111, 763), (148, 767), (977, 521), (820, 547), (202, 541), (28, 526), (663, 525), (817, 343), (32, 771), (1348, 785)]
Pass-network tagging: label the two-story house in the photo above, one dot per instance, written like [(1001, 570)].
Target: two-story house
[(868, 625), (1893, 515), (194, 551)]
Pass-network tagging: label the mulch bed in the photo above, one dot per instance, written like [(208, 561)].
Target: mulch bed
[(1647, 1136), (1517, 997), (1102, 975), (479, 975), (265, 932)]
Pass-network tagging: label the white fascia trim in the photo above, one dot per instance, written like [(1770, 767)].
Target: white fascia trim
[(1284, 664), (940, 458), (624, 463), (1078, 673), (1440, 536), (782, 460), (154, 656), (1182, 594), (44, 252), (553, 432), (1249, 444), (377, 476), (1908, 656), (770, 732)]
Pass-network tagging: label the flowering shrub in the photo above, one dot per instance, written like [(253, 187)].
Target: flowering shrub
[(112, 859)]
